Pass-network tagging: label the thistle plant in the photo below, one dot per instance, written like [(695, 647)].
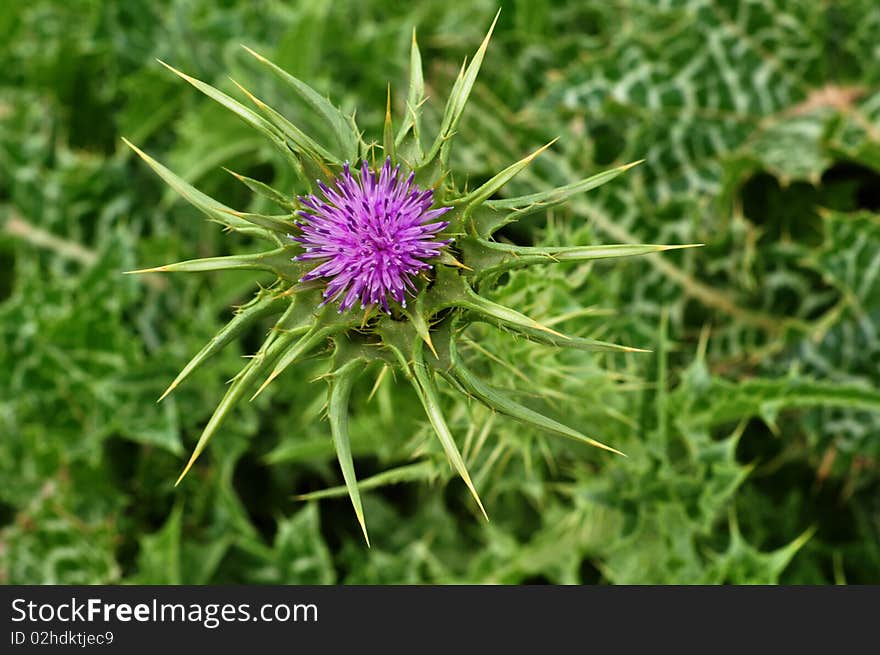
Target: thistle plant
[(382, 262)]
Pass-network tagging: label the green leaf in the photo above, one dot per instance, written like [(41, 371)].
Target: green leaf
[(850, 257), (341, 126), (522, 206), (388, 130), (263, 305), (719, 401), (295, 351), (556, 340), (301, 142), (458, 98), (505, 315), (337, 412), (216, 211), (546, 199), (424, 385), (418, 472), (485, 191), (494, 399), (159, 559), (416, 315), (254, 120), (409, 139), (279, 340), (232, 105), (299, 554), (488, 257), (282, 224), (265, 190), (279, 261)]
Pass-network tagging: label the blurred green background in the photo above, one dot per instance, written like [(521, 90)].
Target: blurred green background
[(752, 428)]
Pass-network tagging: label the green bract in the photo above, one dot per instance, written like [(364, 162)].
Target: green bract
[(420, 341)]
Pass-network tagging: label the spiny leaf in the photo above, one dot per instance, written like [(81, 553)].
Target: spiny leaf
[(409, 137), (215, 210), (418, 472), (388, 129), (263, 305), (565, 341), (492, 257), (280, 224), (233, 105), (484, 191), (544, 199), (427, 392), (265, 190), (340, 391), (309, 341), (719, 400), (509, 210), (494, 399), (339, 124), (449, 260), (277, 261), (416, 316), (301, 142), (458, 98), (254, 120), (378, 382), (505, 315), (277, 343)]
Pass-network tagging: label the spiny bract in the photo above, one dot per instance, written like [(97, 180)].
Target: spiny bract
[(366, 240)]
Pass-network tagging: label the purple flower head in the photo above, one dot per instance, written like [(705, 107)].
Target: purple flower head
[(372, 233)]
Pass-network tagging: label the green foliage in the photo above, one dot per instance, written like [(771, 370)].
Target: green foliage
[(751, 428)]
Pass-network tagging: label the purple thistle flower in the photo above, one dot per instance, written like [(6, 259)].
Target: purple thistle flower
[(372, 233)]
